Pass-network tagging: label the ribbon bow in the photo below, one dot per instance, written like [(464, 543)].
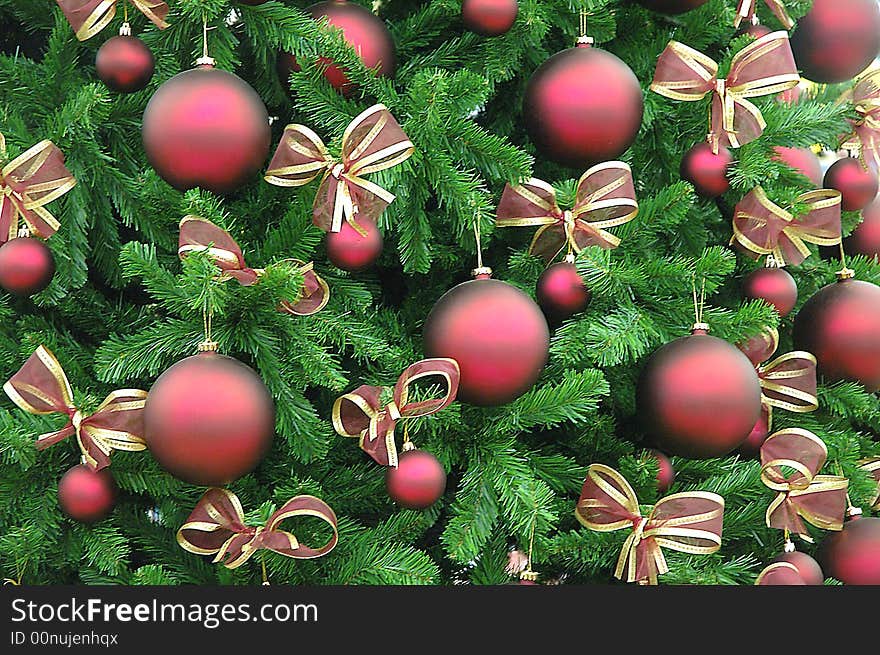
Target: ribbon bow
[(605, 198), (27, 184), (216, 525), (361, 414), (872, 467), (199, 234), (41, 387), (819, 499), (88, 17), (689, 522), (746, 11), (761, 227), (763, 67), (865, 138), (373, 141)]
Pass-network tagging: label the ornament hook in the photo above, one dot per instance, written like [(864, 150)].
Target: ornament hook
[(205, 59)]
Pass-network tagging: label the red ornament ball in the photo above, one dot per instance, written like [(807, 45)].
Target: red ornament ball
[(209, 419), (583, 106), (496, 333), (853, 554), (865, 239), (26, 266), (417, 482), (665, 472), (672, 6), (840, 325), (489, 17), (784, 576), (698, 397), (802, 160), (706, 170), (349, 250), (751, 447), (206, 128), (124, 64), (86, 495), (773, 285), (807, 567), (755, 30), (857, 183), (561, 291)]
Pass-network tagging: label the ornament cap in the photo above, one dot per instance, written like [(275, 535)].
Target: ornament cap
[(206, 61), (845, 274), (482, 272), (585, 42), (529, 575), (700, 328), (570, 258), (407, 446), (772, 262), (208, 346), (24, 232), (789, 546), (125, 29), (853, 513)]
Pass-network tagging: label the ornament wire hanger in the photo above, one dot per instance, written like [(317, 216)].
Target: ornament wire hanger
[(699, 305), (481, 271), (205, 59), (584, 41)]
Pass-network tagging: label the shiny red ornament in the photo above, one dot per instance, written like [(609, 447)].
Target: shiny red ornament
[(857, 183), (665, 472), (86, 495), (583, 106), (209, 419), (802, 160), (26, 266), (853, 554), (672, 6), (773, 285), (496, 333), (206, 128), (124, 64), (349, 250), (417, 481), (807, 567), (706, 170), (489, 17), (865, 239), (561, 291), (837, 40), (751, 447), (698, 397)]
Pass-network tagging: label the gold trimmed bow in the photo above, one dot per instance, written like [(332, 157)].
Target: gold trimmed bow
[(745, 10), (41, 387), (872, 467), (360, 413), (88, 17), (865, 138), (605, 198), (373, 141), (688, 522), (216, 527)]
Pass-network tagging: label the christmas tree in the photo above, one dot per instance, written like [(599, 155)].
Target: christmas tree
[(459, 78)]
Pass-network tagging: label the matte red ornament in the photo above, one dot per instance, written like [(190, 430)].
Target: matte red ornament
[(755, 30), (706, 170), (206, 128), (665, 472), (561, 291), (773, 285), (349, 250), (865, 239), (583, 106), (698, 397), (125, 64), (417, 481), (802, 160), (86, 495), (837, 40), (489, 17), (672, 6), (780, 574), (807, 567), (853, 554), (751, 447), (209, 419), (496, 333), (26, 266), (857, 183)]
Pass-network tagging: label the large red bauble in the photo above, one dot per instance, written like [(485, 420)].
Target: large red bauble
[(665, 472), (698, 397), (840, 325), (26, 266), (583, 106), (209, 419), (417, 481), (561, 291), (86, 495), (706, 170), (206, 128), (751, 447), (853, 555), (807, 567), (837, 39), (672, 6), (489, 17), (124, 64), (857, 183), (865, 239), (496, 333), (802, 160), (349, 250), (773, 285)]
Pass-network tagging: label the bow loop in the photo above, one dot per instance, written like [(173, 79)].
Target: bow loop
[(746, 11), (865, 137), (88, 17), (872, 467)]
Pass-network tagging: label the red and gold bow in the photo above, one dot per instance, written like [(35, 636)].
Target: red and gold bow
[(865, 138), (27, 184), (764, 67), (41, 387), (761, 227), (745, 10), (216, 525), (199, 234), (372, 142), (88, 17), (872, 466), (361, 414), (689, 522), (780, 573), (819, 499), (605, 198)]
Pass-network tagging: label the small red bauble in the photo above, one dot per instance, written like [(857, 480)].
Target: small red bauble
[(26, 266), (751, 447), (489, 17), (561, 291), (583, 106), (417, 481), (209, 419), (853, 555), (206, 128), (349, 250), (665, 472), (86, 495), (807, 567), (124, 64), (784, 576), (773, 285), (857, 183), (802, 160), (865, 239), (698, 397), (496, 333), (672, 6), (837, 39), (706, 170), (755, 30)]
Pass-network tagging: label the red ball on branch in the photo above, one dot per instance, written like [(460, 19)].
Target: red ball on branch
[(858, 184), (865, 239), (751, 447), (125, 64), (561, 291), (802, 160), (706, 170), (26, 266), (773, 285), (665, 472), (807, 567), (853, 555), (352, 251), (87, 495), (418, 480), (489, 17)]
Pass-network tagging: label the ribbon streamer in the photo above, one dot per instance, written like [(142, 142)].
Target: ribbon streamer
[(803, 494), (865, 138), (688, 522), (41, 387), (88, 17), (872, 466), (373, 141), (764, 67), (605, 198), (361, 414), (745, 10), (216, 527)]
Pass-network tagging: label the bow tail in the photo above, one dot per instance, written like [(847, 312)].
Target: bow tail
[(378, 442), (237, 550), (550, 240), (8, 217), (52, 438), (783, 515), (95, 451)]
